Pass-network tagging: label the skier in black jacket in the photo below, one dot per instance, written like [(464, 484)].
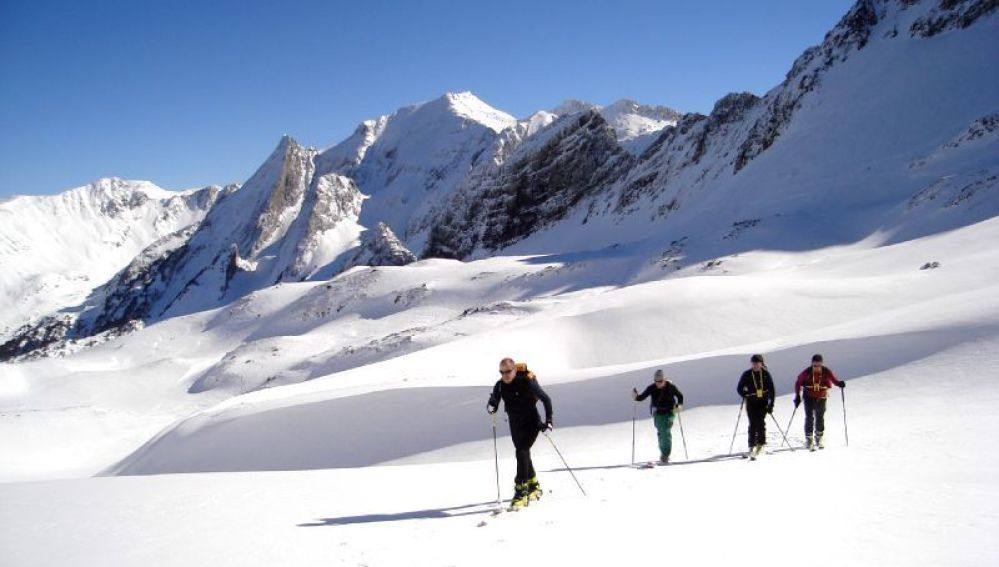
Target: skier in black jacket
[(756, 387), (666, 401), (520, 392)]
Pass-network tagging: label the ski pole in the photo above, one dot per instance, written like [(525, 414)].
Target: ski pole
[(732, 444), (496, 459), (789, 422), (781, 432), (846, 431), (683, 437), (634, 417), (567, 467)]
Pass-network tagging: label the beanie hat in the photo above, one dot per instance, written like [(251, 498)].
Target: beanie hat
[(816, 358), (756, 358), (659, 374)]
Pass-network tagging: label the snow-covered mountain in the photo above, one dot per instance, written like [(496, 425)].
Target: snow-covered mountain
[(636, 125), (843, 137), (409, 162), (56, 249)]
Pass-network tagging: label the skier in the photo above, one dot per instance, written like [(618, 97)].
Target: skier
[(756, 386), (520, 392), (666, 401), (816, 379)]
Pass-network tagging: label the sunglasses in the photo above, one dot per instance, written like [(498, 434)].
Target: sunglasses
[(659, 381), (506, 371)]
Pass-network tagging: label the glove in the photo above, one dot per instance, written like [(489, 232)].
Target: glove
[(491, 409), (546, 426), (679, 409), (842, 384), (797, 401), (634, 394), (770, 409)]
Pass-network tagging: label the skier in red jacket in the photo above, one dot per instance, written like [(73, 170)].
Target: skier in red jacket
[(816, 380)]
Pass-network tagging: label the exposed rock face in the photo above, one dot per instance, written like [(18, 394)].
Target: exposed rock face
[(380, 247), (952, 14), (33, 337), (681, 149), (537, 186), (333, 202)]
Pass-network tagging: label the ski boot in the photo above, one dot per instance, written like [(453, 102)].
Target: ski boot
[(755, 452), (818, 441), (663, 459), (519, 496), (810, 443), (533, 488)]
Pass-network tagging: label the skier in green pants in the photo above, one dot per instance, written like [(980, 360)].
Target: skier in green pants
[(666, 401)]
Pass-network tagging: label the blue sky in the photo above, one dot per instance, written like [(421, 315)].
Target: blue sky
[(189, 93)]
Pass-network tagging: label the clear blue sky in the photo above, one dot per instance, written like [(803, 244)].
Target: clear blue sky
[(189, 93)]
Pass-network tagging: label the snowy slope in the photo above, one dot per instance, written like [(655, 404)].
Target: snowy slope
[(56, 249), (882, 501), (606, 336)]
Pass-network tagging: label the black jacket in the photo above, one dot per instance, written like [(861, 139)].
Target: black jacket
[(750, 381), (663, 400), (520, 397)]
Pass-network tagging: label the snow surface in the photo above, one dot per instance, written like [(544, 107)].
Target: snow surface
[(914, 487)]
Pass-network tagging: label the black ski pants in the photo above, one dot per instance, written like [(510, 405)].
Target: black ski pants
[(815, 415), (756, 412), (524, 431)]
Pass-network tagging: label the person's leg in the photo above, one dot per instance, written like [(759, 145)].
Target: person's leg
[(757, 422), (809, 416), (522, 450), (809, 422), (532, 487), (820, 421), (666, 443), (530, 436), (751, 420), (660, 421), (820, 416)]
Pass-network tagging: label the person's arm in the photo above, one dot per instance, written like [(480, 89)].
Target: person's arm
[(835, 380), (541, 395), (493, 404), (740, 387), (677, 394), (645, 393), (769, 385), (800, 382)]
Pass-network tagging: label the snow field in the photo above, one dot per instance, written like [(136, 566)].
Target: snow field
[(914, 487)]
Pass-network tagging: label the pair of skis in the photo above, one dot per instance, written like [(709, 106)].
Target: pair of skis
[(650, 465)]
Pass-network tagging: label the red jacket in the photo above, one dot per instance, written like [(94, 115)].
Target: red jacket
[(816, 384)]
